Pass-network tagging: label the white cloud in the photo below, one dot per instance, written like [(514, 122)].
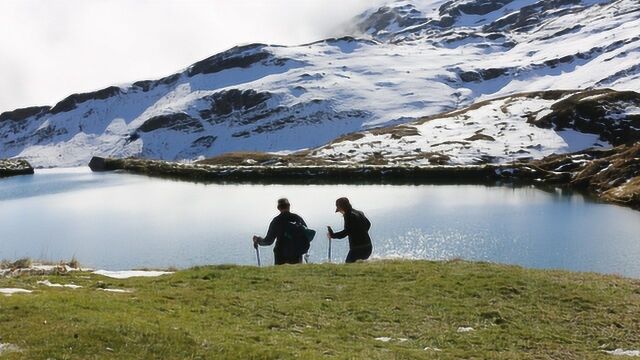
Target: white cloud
[(50, 49)]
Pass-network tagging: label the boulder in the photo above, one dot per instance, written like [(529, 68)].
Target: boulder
[(14, 167)]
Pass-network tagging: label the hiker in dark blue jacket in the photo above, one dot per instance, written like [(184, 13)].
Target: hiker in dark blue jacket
[(356, 227), (285, 251)]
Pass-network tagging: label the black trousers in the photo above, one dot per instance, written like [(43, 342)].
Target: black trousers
[(279, 259), (362, 253)]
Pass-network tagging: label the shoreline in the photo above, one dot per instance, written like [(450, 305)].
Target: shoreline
[(51, 268), (608, 175), (611, 175)]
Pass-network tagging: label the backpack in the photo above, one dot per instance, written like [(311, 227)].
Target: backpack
[(299, 237)]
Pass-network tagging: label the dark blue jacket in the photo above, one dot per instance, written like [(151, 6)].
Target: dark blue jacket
[(276, 232), (356, 227)]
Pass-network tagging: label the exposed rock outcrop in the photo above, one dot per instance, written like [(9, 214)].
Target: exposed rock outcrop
[(14, 167), (612, 175), (604, 112), (72, 101)]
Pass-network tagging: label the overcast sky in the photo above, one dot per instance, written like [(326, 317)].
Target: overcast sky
[(52, 48)]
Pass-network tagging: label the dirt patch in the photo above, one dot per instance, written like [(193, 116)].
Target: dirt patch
[(477, 137), (397, 132), (262, 159), (455, 142)]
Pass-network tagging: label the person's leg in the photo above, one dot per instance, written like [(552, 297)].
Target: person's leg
[(366, 253), (278, 259), (282, 260), (351, 257), (358, 254)]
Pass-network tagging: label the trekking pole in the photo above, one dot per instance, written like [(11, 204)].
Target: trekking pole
[(329, 249), (258, 255)]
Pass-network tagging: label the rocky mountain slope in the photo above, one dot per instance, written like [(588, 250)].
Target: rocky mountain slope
[(512, 128), (612, 175), (401, 62)]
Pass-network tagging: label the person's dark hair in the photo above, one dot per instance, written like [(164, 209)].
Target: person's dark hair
[(343, 204), (283, 204)]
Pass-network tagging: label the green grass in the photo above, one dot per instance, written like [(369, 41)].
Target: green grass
[(326, 311)]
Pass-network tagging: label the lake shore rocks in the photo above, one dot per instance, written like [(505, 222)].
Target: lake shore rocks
[(611, 175), (36, 269), (298, 173), (14, 167)]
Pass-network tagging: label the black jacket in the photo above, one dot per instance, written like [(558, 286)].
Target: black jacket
[(356, 227), (276, 232)]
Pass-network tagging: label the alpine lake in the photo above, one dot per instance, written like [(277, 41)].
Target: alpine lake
[(121, 221)]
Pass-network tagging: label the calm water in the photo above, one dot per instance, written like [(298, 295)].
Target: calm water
[(118, 221)]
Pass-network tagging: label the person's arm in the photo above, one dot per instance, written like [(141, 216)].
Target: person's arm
[(347, 229), (272, 233)]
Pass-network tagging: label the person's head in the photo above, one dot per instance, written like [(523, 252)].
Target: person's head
[(343, 205), (283, 205)]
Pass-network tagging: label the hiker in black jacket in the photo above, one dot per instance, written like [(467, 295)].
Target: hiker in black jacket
[(356, 227), (285, 251)]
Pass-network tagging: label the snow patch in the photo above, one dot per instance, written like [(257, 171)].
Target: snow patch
[(8, 348), (435, 349), (384, 339), (621, 352), (50, 284), (119, 291), (465, 329), (131, 273), (388, 339), (11, 291)]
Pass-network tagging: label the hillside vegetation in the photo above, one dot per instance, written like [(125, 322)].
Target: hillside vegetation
[(375, 310)]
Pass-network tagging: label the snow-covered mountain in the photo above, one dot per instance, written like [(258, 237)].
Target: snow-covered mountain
[(517, 127), (399, 63)]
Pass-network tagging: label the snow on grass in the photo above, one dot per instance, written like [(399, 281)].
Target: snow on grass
[(383, 339), (11, 291), (434, 349), (50, 284), (621, 352), (131, 273), (389, 339), (8, 348), (118, 291), (463, 329), (37, 268)]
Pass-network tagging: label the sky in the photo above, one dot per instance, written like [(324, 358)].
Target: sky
[(50, 49)]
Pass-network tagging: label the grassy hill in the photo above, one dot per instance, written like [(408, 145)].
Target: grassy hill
[(376, 310)]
